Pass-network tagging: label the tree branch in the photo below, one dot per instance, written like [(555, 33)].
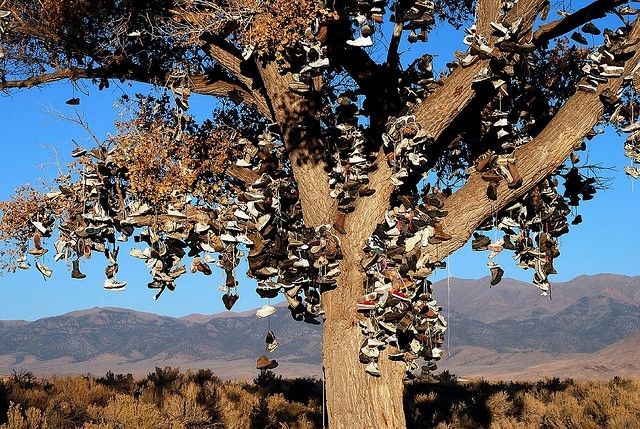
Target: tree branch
[(227, 55), (215, 85), (595, 10), (535, 161), (438, 110), (393, 59), (73, 73)]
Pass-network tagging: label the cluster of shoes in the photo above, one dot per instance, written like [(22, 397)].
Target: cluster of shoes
[(418, 19), (419, 80), (607, 60), (264, 363), (405, 144), (494, 168), (530, 228), (89, 226), (401, 312), (314, 60), (351, 160), (368, 11)]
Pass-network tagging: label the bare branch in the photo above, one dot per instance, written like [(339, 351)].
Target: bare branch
[(595, 10), (74, 73), (216, 85), (393, 60)]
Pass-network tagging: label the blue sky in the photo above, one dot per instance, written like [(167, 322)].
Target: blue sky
[(34, 142)]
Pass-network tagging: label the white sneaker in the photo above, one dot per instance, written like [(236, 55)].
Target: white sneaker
[(437, 352), (240, 214), (372, 369), (242, 238), (225, 237), (361, 42), (39, 226), (265, 311), (113, 284), (371, 352)]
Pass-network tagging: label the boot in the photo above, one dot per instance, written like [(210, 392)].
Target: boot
[(439, 233), (75, 273), (339, 223), (496, 274)]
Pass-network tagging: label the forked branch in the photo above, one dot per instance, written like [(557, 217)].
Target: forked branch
[(535, 161)]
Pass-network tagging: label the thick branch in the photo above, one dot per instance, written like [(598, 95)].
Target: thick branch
[(535, 161), (595, 10), (299, 123), (206, 85), (441, 108)]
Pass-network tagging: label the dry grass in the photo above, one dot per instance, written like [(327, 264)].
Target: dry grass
[(169, 399)]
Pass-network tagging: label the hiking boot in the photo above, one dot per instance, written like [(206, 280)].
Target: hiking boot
[(439, 233), (229, 300), (480, 242), (496, 273), (75, 273)]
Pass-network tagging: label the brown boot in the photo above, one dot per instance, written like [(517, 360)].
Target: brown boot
[(339, 223), (516, 179), (76, 274), (439, 233)]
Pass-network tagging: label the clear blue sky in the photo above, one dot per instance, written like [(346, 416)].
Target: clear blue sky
[(33, 141)]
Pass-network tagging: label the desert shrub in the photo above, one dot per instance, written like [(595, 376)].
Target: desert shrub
[(32, 418), (82, 391), (120, 383), (236, 405), (62, 412), (201, 377), (184, 411), (125, 412)]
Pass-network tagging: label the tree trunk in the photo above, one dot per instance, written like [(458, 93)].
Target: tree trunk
[(355, 399)]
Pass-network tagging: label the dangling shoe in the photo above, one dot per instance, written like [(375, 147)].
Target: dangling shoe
[(113, 284), (496, 273), (46, 271), (271, 341), (263, 363), (75, 273)]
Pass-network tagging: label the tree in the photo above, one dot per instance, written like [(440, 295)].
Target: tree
[(316, 155)]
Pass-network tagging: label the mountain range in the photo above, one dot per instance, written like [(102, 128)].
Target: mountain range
[(589, 327)]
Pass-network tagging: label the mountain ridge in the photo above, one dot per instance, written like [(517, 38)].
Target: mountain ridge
[(504, 330)]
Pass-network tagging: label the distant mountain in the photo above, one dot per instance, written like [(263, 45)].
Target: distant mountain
[(121, 337), (512, 299), (504, 331)]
